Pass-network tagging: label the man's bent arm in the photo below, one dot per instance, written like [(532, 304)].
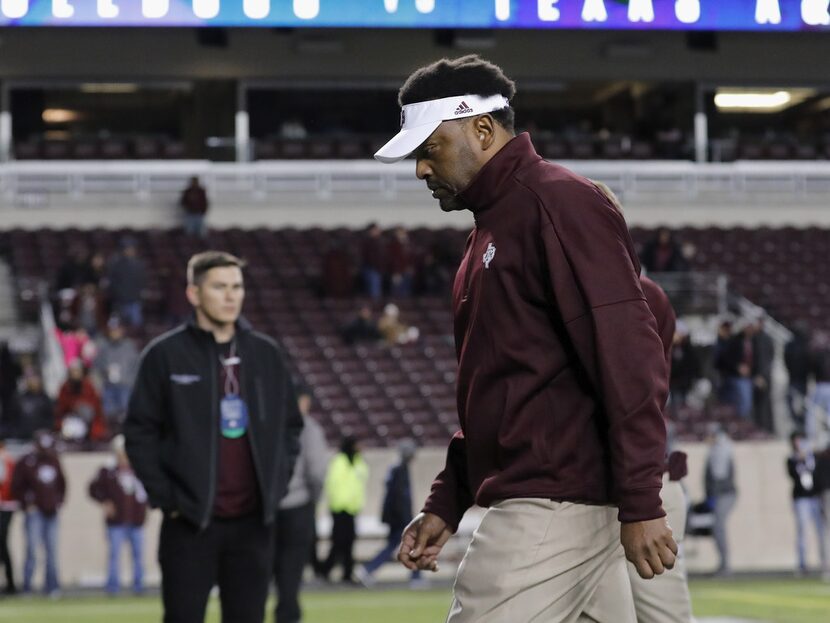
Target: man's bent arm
[(451, 496), (594, 276), (144, 428)]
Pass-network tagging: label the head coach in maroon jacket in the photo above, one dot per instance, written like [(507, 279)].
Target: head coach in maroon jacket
[(561, 378)]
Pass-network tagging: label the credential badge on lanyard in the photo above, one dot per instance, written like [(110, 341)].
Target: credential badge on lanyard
[(234, 412)]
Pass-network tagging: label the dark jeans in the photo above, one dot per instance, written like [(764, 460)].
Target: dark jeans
[(117, 535), (233, 553), (342, 541), (5, 557), (295, 536), (41, 531)]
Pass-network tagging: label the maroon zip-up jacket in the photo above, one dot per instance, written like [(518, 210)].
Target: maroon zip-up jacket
[(561, 372), (660, 306), (38, 481), (121, 487)]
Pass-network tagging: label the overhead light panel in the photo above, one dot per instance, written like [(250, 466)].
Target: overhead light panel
[(109, 87), (759, 101), (59, 115)]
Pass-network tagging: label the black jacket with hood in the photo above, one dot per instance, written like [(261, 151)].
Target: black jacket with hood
[(172, 426)]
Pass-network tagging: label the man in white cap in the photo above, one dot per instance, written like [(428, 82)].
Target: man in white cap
[(561, 378)]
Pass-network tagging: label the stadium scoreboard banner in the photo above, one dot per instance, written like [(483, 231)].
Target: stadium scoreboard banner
[(714, 15)]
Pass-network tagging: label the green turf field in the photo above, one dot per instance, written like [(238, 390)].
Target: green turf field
[(782, 601)]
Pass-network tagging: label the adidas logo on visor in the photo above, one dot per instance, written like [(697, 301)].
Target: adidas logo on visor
[(463, 109)]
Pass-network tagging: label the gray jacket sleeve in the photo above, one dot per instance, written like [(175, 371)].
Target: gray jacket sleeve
[(316, 456)]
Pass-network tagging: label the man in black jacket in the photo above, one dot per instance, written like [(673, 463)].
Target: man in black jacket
[(212, 432)]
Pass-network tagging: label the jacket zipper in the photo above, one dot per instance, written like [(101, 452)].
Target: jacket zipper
[(469, 269), (252, 444), (280, 435), (214, 433)]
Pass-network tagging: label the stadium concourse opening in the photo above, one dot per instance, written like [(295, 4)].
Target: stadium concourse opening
[(583, 120)]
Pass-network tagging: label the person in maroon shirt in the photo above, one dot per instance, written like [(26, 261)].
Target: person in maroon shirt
[(400, 264), (372, 262), (562, 376), (39, 485), (124, 501), (194, 203), (664, 598)]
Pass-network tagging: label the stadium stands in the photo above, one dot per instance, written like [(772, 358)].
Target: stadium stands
[(382, 393), (555, 146)]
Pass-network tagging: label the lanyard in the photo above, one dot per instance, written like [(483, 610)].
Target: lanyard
[(231, 382)]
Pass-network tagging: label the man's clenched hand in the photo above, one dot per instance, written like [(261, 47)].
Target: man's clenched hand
[(649, 546), (421, 542)]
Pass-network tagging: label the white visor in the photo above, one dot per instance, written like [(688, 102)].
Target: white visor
[(419, 120)]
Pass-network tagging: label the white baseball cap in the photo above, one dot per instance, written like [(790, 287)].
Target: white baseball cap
[(420, 119)]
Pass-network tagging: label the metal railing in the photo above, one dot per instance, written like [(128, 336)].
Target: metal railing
[(41, 181), (695, 293)]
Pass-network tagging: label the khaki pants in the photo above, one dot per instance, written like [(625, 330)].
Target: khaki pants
[(534, 560), (665, 598)]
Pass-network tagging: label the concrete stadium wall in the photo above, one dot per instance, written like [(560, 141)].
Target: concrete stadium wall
[(761, 529), (380, 56), (284, 211)]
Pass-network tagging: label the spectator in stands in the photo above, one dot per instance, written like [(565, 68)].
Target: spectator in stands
[(818, 412), (763, 355), (346, 493), (433, 278), (194, 203), (31, 410), (293, 129), (174, 306), (115, 365), (662, 254), (797, 360), (362, 328), (79, 414), (397, 513), (801, 466), (372, 262), (735, 361), (89, 309), (39, 485), (10, 372), (76, 270), (393, 330), (685, 365), (401, 264), (719, 349), (338, 273), (126, 278), (8, 505), (124, 501), (76, 344), (296, 515), (98, 262), (721, 492)]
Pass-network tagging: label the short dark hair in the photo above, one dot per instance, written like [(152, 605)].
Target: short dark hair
[(467, 75), (201, 263)]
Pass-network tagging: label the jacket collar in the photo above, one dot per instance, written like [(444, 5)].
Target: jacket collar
[(242, 326), (489, 184)]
